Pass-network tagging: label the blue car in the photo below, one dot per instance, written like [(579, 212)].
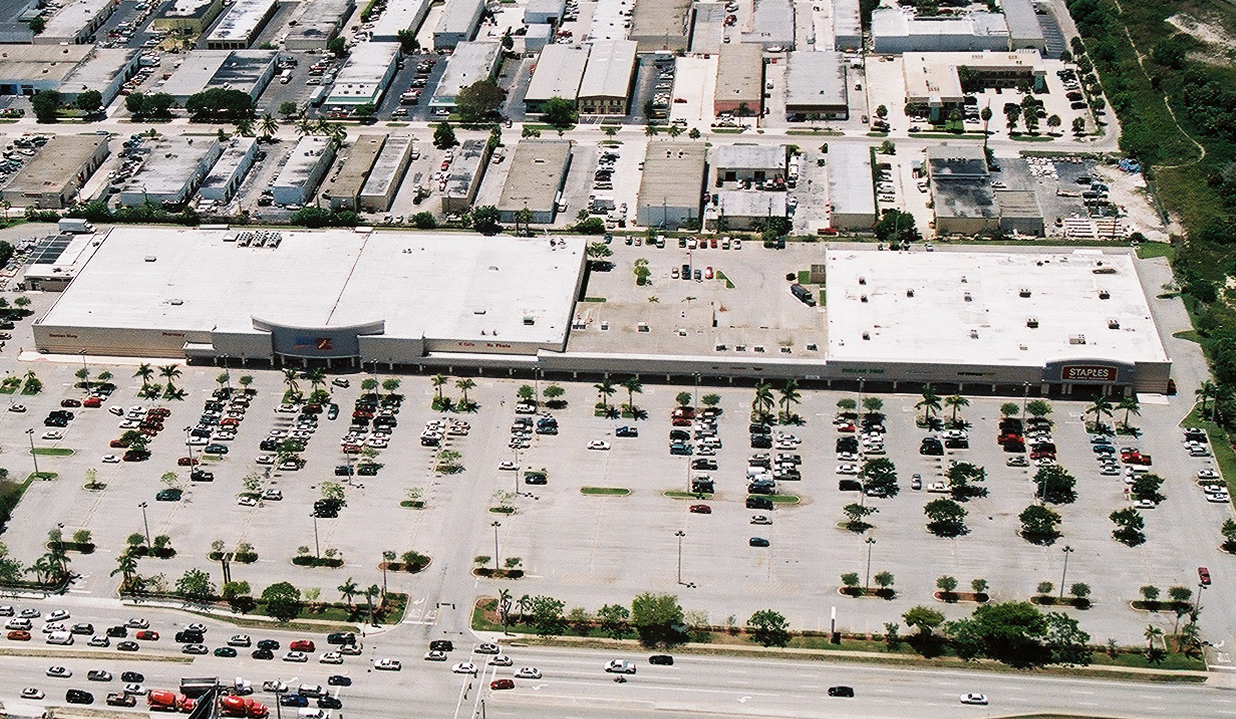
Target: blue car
[(294, 700)]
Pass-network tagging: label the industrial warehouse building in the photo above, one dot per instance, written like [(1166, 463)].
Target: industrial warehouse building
[(535, 179), (772, 25), (192, 16), (319, 22), (388, 171), (303, 170), (1025, 32), (198, 294), (740, 80), (343, 190), (559, 70), (172, 169), (241, 24), (366, 76), (672, 186), (458, 24), (815, 86), (606, 85), (847, 26), (105, 70), (660, 25), (249, 71), (230, 170), (463, 179), (708, 27), (1055, 322), (53, 176), (932, 78), (749, 162), (403, 15), (541, 12), (851, 192), (895, 31), (961, 191), (471, 61), (26, 69), (76, 22)]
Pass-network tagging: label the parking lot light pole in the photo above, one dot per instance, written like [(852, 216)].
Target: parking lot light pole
[(495, 525), (867, 582), (680, 534), (1198, 607), (316, 552), (145, 523), (189, 447), (33, 456), (1025, 394), (1067, 551)]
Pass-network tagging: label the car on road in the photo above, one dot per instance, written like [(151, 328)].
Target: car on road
[(132, 677), (148, 635), (293, 700), (99, 641), (661, 659), (700, 509), (121, 699), (841, 691), (261, 653), (135, 689), (1203, 576), (30, 613), (620, 666), (329, 702), (760, 519), (387, 665), (499, 684), (338, 680), (331, 658), (974, 698), (464, 668), (128, 645), (528, 673), (19, 635), (194, 649), (487, 648), (59, 672), (99, 675), (77, 696), (500, 661), (758, 542), (31, 693), (295, 657), (598, 444), (226, 652)]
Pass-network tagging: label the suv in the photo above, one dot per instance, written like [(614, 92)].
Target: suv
[(441, 645), (754, 502)]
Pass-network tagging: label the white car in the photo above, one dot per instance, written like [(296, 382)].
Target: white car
[(295, 657), (387, 665), (135, 689), (507, 466), (1144, 504), (197, 441), (265, 459), (58, 616), (1219, 497), (129, 424), (247, 502), (500, 661), (137, 623), (53, 627), (620, 666), (847, 469), (528, 673), (331, 658), (31, 693), (17, 408), (974, 699), (61, 672), (464, 668), (52, 434), (1207, 474), (598, 444), (239, 640), (111, 459)]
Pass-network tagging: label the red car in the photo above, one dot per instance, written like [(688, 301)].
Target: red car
[(92, 402), (118, 444), (159, 412), (1203, 576), (148, 635), (301, 645), (229, 422), (502, 684), (19, 635), (311, 409), (187, 461), (700, 509), (70, 403)]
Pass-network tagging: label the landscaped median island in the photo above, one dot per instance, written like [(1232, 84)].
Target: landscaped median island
[(999, 634), (605, 491)]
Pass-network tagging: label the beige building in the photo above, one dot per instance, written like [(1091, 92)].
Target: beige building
[(740, 80), (343, 191), (53, 176), (671, 190)]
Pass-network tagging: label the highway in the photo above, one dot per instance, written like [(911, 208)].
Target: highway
[(574, 683)]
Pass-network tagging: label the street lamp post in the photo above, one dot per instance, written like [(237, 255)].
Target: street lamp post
[(867, 582), (33, 456), (1200, 588), (316, 550), (495, 525), (1025, 395), (680, 534), (189, 447), (1067, 551), (145, 523)]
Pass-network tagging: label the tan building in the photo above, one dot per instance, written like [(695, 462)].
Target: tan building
[(606, 86), (538, 171), (343, 191), (740, 80), (387, 174), (671, 190), (193, 16), (52, 178)]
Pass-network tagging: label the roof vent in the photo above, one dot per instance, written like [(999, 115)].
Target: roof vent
[(1032, 322), (1077, 339), (1105, 295), (862, 280), (973, 334), (866, 335), (150, 258), (1113, 324), (1024, 292), (529, 320), (909, 293), (862, 298), (967, 297), (176, 303)]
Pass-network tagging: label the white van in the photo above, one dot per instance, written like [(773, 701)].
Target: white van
[(60, 638), (313, 714), (18, 623)]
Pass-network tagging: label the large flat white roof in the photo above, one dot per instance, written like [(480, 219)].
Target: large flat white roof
[(241, 20), (969, 307), (559, 70), (73, 18), (434, 286)]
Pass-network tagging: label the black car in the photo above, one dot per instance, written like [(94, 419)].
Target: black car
[(262, 654), (703, 486), (269, 445), (77, 696), (704, 463), (759, 503), (332, 412), (535, 478), (128, 646), (841, 691), (201, 475), (957, 443), (681, 448), (441, 645), (188, 636), (341, 638), (343, 470), (294, 700), (850, 485), (663, 659), (329, 702), (369, 469), (758, 542), (339, 680), (132, 677), (168, 495), (271, 644), (228, 652), (626, 432), (761, 441), (119, 631)]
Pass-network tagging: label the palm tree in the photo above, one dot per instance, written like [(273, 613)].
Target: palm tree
[(169, 372), (1100, 409), (956, 402), (305, 126), (763, 401), (674, 131), (605, 388), (370, 592), (633, 387), (790, 396), (289, 378), (349, 590), (1205, 392), (930, 403), (388, 556), (41, 568), (1130, 407), (175, 393), (5, 205), (463, 386), (145, 371), (1152, 632), (438, 381), (126, 566), (317, 378), (245, 126), (525, 605), (244, 382), (504, 603), (269, 125), (523, 217)]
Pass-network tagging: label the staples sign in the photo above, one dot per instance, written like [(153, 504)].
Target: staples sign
[(1087, 373)]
